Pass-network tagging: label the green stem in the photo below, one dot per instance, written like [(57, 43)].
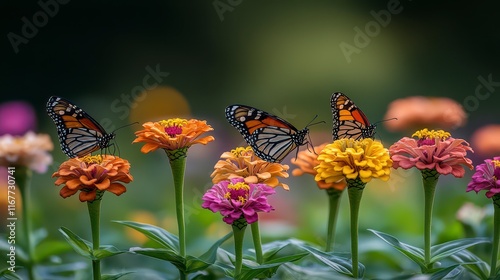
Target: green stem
[(178, 164), (257, 243), (334, 202), (496, 236), (239, 227), (429, 179), (355, 192), (94, 208), (23, 180)]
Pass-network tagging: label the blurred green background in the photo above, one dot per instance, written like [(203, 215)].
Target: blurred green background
[(284, 57)]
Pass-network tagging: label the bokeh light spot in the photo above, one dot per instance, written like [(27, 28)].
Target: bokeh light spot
[(162, 102)]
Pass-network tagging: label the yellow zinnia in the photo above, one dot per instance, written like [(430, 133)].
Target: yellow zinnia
[(352, 159)]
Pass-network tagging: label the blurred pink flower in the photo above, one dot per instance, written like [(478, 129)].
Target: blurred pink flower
[(235, 199), (415, 112), (485, 140), (16, 118), (433, 150), (30, 150)]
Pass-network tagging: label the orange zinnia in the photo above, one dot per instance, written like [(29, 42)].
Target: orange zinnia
[(243, 163), (307, 160), (485, 140), (92, 175), (172, 134)]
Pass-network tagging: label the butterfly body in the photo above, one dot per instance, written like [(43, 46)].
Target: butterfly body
[(348, 120), (79, 134), (271, 137)]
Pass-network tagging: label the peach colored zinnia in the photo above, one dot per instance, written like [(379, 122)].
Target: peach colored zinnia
[(421, 111), (306, 161), (243, 163), (30, 150), (434, 149), (91, 174), (172, 134)]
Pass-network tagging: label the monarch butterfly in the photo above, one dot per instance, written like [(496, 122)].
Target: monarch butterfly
[(271, 137), (79, 134), (348, 120)]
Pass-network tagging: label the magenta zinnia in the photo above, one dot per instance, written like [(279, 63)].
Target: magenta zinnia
[(487, 177), (235, 199), (434, 150)]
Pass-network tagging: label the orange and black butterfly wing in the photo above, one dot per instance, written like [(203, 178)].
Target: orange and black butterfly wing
[(272, 138), (348, 120), (79, 134)]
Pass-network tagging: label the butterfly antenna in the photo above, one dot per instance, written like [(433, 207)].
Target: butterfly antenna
[(391, 119), (130, 124), (311, 122)]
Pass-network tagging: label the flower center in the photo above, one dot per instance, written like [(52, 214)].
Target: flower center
[(89, 159), (238, 191), (428, 137), (239, 151), (173, 127), (496, 163)]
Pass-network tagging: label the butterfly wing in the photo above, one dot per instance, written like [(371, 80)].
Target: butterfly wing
[(271, 137), (348, 120), (79, 134)]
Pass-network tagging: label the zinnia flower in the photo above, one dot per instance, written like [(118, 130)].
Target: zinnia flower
[(351, 159), (172, 134), (243, 163), (30, 150), (433, 150), (487, 177), (307, 160), (235, 199), (485, 140), (92, 175), (421, 111)]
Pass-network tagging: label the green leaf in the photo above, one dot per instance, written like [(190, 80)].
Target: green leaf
[(450, 272), (194, 264), (447, 249), (339, 264), (413, 253), (114, 276), (81, 246), (105, 251), (312, 271), (161, 236), (9, 275), (472, 263), (49, 248), (161, 254)]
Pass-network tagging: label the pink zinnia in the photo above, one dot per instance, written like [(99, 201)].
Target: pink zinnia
[(235, 199), (434, 150), (487, 177)]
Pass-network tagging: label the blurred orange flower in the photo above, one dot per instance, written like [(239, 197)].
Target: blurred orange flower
[(172, 134), (243, 163), (93, 174), (485, 140), (416, 112), (307, 160)]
